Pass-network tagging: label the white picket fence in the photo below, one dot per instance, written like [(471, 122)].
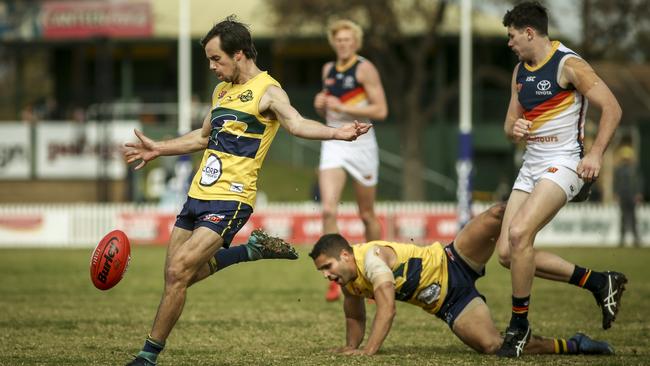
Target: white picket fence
[(82, 225)]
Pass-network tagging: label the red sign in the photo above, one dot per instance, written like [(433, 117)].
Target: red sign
[(82, 19)]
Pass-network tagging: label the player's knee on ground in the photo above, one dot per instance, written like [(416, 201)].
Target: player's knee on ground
[(489, 346)]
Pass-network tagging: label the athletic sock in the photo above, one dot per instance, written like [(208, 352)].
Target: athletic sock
[(519, 318), (562, 346), (227, 257), (151, 349), (586, 278)]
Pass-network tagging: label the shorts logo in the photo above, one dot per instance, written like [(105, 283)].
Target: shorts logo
[(213, 218), (237, 187), (551, 169), (450, 254), (246, 96), (572, 188), (211, 172)]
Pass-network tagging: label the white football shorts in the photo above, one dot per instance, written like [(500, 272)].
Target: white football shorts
[(359, 158), (563, 176)]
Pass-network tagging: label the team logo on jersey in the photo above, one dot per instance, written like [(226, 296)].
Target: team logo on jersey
[(530, 78), (246, 96), (213, 218), (211, 172), (544, 85), (221, 94), (348, 82), (237, 187)]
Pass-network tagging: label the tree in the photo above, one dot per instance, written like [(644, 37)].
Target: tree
[(396, 51)]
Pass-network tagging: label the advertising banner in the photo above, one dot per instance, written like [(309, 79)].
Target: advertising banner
[(68, 150), (15, 151), (83, 19)]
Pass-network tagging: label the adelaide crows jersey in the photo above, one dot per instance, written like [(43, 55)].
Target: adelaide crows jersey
[(557, 113), (238, 143), (420, 274)]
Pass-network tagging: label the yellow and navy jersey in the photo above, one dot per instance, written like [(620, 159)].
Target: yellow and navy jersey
[(557, 113), (238, 142), (343, 84), (417, 268)]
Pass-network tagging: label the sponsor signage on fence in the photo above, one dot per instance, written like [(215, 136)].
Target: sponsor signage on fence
[(15, 151), (83, 151), (82, 19)]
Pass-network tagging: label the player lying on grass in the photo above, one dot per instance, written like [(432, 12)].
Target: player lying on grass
[(438, 279)]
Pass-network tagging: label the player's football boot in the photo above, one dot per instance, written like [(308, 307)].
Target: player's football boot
[(609, 297), (588, 346), (262, 246), (333, 292), (139, 361), (514, 342)]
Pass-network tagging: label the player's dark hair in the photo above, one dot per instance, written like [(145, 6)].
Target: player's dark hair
[(330, 245), (234, 37), (528, 14)]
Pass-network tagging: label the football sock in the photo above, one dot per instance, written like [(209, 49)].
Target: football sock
[(151, 349), (562, 346), (519, 312), (227, 257), (586, 278)]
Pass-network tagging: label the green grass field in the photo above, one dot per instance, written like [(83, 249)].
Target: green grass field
[(274, 313)]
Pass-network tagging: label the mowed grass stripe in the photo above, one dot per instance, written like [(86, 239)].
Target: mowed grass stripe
[(274, 313)]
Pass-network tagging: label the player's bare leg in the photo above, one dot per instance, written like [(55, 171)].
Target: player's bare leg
[(187, 255), (331, 183), (366, 202), (476, 241), (541, 205), (547, 265)]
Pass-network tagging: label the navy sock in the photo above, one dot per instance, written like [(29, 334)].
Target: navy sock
[(520, 312), (586, 278), (151, 349), (227, 257)]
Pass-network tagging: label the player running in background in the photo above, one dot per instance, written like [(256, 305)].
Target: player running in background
[(248, 106), (352, 90), (551, 87), (440, 280)]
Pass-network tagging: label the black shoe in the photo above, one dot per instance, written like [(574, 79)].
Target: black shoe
[(514, 342), (139, 361), (609, 297), (588, 346)]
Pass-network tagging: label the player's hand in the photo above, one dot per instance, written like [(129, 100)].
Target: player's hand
[(334, 103), (350, 131), (144, 150), (320, 101), (521, 129), (589, 167)]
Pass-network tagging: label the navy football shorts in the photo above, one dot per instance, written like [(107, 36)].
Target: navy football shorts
[(460, 286), (225, 218)]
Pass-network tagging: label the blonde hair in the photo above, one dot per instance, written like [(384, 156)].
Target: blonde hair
[(345, 24)]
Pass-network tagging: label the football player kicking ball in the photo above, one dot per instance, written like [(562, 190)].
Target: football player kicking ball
[(439, 279), (248, 107)]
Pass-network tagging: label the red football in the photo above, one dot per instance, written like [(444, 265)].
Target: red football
[(110, 260)]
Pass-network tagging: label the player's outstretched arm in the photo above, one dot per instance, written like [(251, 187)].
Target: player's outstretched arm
[(276, 100), (146, 149), (580, 74)]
